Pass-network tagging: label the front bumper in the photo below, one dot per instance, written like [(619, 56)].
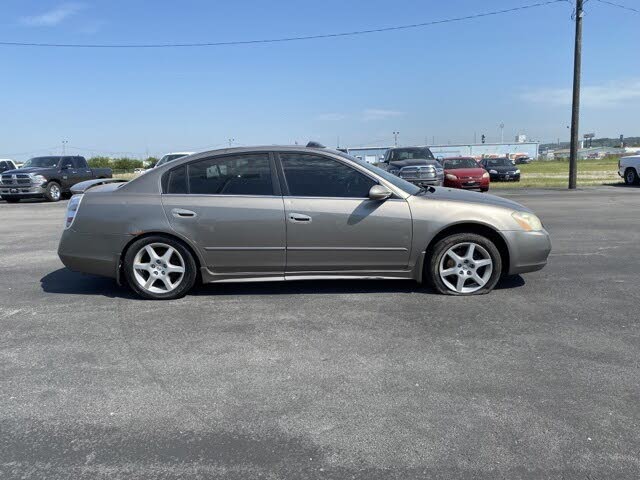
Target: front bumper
[(436, 182), (504, 177), (94, 254), (475, 184), (22, 191), (528, 251)]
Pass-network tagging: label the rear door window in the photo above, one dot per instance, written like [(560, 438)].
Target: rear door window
[(233, 175), (79, 162)]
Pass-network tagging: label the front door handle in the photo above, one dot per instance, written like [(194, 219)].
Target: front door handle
[(181, 213), (299, 218)]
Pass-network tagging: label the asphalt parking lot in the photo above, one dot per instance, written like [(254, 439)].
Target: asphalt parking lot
[(365, 380)]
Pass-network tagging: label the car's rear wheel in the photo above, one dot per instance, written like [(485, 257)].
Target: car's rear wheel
[(159, 268), (11, 199), (631, 176), (464, 264), (53, 192)]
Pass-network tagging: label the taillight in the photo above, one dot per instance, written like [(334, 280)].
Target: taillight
[(72, 210)]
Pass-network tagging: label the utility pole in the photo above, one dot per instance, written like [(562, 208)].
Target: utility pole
[(395, 138), (575, 111)]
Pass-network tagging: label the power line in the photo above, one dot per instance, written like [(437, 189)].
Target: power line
[(618, 5), (284, 39)]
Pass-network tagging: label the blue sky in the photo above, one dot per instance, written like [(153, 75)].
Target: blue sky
[(445, 81)]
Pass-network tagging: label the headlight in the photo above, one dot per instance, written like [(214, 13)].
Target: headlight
[(528, 221), (72, 210), (493, 171), (38, 179), (518, 171), (450, 176), (485, 175)]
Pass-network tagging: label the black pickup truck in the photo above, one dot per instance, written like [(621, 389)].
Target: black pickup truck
[(50, 178)]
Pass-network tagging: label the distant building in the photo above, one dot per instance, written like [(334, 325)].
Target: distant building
[(477, 150), (586, 153)]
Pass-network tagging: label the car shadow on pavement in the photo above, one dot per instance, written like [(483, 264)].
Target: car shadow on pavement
[(621, 185), (64, 281)]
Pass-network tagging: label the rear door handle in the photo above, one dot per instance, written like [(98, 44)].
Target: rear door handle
[(181, 213), (299, 218)]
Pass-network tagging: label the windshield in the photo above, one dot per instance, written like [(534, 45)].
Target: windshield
[(499, 162), (453, 163), (410, 188), (410, 154), (170, 158), (42, 162)]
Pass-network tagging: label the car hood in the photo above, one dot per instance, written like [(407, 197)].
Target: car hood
[(511, 168), (458, 195), (465, 172), (412, 163), (28, 170)]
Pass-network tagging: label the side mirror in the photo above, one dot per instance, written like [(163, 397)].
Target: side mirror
[(379, 193)]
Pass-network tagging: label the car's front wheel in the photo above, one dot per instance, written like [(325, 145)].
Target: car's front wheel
[(631, 177), (464, 264), (159, 268), (53, 192)]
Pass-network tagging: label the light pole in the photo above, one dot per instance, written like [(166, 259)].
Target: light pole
[(64, 146), (231, 140), (395, 138), (502, 132)]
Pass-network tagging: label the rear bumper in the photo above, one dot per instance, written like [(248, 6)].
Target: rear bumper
[(528, 251), (94, 254)]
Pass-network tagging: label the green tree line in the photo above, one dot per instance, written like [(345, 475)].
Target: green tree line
[(124, 164)]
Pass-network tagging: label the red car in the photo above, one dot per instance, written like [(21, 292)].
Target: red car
[(465, 172)]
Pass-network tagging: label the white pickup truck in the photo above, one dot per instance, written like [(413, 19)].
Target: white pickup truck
[(629, 169)]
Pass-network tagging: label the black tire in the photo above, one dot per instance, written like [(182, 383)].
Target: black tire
[(190, 274), (11, 199), (53, 192), (631, 176), (432, 264), (484, 190)]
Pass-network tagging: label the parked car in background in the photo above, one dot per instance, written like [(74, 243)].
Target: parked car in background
[(47, 177), (522, 160), (501, 169), (464, 172), (294, 213), (414, 164), (629, 169), (7, 164)]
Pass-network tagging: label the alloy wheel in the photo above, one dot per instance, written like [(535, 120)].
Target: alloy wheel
[(158, 268), (54, 191), (466, 267)]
